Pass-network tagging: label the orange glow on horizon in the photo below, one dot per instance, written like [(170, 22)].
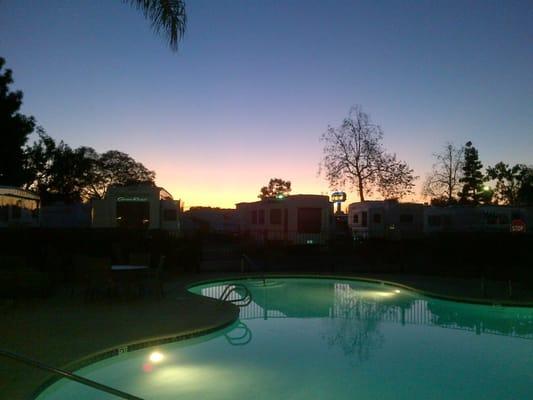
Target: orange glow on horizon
[(196, 183), (228, 199)]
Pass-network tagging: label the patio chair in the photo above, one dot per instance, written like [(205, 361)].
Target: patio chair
[(94, 275), (100, 278), (155, 277)]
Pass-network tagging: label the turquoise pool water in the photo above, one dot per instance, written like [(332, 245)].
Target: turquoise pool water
[(332, 339)]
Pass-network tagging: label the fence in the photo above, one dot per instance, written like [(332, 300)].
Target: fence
[(349, 303)]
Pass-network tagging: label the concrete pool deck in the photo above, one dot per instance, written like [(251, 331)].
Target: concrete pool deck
[(62, 329)]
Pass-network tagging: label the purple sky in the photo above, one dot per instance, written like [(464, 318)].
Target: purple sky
[(255, 83)]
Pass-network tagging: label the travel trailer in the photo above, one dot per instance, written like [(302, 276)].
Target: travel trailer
[(142, 206), (295, 219)]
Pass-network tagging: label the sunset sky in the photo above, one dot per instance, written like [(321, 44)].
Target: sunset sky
[(255, 83)]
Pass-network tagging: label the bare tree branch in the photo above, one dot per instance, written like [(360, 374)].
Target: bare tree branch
[(353, 154), (443, 182)]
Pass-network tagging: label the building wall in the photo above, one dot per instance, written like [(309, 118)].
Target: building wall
[(213, 220), (289, 219), (159, 202), (429, 219), (386, 219), (170, 214), (18, 207), (472, 219)]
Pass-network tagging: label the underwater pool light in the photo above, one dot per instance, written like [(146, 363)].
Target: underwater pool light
[(156, 357)]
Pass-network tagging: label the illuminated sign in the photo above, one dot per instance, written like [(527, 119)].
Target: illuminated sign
[(338, 197), (132, 199)]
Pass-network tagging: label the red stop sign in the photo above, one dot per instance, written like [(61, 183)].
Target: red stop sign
[(517, 225)]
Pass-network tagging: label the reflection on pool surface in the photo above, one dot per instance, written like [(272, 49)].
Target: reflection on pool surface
[(332, 339)]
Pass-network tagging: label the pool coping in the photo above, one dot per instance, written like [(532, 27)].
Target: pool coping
[(130, 347)]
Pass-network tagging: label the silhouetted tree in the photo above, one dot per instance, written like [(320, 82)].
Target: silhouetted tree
[(276, 186), (166, 16), (14, 130), (59, 172), (473, 180), (442, 184), (525, 192), (511, 182), (507, 182), (116, 168), (354, 155)]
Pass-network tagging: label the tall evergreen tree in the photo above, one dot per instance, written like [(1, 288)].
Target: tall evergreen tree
[(14, 131), (472, 192)]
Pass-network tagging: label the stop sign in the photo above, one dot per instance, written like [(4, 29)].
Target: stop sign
[(517, 225)]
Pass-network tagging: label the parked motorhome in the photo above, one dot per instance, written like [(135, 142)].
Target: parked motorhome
[(394, 220), (18, 207), (386, 219), (141, 206), (473, 218), (295, 219)]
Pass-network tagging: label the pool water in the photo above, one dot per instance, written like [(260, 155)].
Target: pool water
[(332, 339)]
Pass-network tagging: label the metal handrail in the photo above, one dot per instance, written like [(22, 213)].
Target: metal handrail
[(244, 300), (68, 375), (243, 339), (223, 295)]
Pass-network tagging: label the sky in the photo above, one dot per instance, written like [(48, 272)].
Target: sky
[(255, 83)]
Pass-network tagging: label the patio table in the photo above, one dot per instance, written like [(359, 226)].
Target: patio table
[(129, 267)]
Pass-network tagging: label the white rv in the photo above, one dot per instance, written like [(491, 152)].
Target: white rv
[(295, 219), (137, 206)]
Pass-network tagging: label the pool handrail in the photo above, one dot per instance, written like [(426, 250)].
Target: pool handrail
[(234, 287), (241, 340), (69, 375)]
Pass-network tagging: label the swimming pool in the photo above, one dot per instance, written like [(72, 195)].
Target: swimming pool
[(306, 338)]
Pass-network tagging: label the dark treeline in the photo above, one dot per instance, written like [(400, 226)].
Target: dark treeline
[(54, 170), (458, 178), (354, 157)]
